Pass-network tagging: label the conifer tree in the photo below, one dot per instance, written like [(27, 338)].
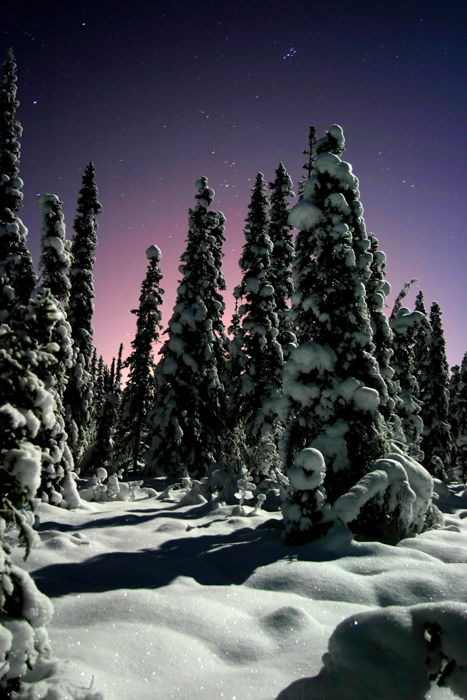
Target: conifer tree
[(262, 358), (454, 381), (459, 406), (422, 353), (79, 393), (280, 233), (138, 395), (436, 440), (377, 291), (311, 156), (118, 368), (187, 422), (26, 408), (17, 276), (56, 258), (44, 322), (331, 381), (405, 325)]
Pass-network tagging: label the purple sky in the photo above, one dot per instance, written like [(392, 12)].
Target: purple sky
[(158, 93)]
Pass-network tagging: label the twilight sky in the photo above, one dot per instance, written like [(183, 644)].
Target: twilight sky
[(159, 93)]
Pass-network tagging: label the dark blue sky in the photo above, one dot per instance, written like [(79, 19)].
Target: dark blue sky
[(160, 93)]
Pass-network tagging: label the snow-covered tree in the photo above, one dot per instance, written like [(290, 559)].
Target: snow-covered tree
[(459, 408), (187, 422), (44, 321), (331, 383), (17, 276), (454, 381), (26, 408), (138, 395), (422, 354), (280, 233), (79, 393), (405, 325), (436, 440), (56, 258), (377, 291), (262, 358)]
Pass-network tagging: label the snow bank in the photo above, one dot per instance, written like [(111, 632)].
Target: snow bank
[(392, 654)]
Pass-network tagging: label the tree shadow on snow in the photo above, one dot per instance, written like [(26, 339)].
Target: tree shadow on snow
[(221, 559), (129, 518)]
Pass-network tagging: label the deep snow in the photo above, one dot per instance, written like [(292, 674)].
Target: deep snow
[(158, 600)]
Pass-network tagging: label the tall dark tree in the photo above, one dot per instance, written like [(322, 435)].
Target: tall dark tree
[(138, 395), (405, 325), (310, 153), (459, 407), (187, 422), (280, 233), (332, 382), (454, 382), (436, 440), (55, 260), (377, 291), (422, 353), (262, 358), (79, 394), (17, 276)]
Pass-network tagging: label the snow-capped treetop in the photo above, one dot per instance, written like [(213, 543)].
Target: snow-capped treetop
[(332, 142), (153, 252)]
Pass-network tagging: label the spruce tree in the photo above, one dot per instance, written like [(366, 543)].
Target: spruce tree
[(262, 358), (44, 325), (138, 395), (422, 354), (405, 325), (118, 368), (56, 258), (280, 233), (26, 409), (331, 382), (459, 406), (377, 291), (311, 157), (79, 393), (17, 276), (187, 422), (436, 440), (454, 381)]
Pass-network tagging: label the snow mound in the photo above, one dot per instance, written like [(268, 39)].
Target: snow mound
[(392, 654)]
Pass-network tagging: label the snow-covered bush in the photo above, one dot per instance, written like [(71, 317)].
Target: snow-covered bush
[(390, 502), (103, 488), (304, 506), (392, 654)]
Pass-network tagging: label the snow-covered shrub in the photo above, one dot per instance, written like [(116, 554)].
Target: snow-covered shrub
[(304, 505), (392, 654), (104, 488), (390, 502)]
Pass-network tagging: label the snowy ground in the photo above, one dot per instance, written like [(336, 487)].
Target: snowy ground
[(157, 600)]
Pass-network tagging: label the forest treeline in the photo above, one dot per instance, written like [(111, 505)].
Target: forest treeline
[(313, 399)]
